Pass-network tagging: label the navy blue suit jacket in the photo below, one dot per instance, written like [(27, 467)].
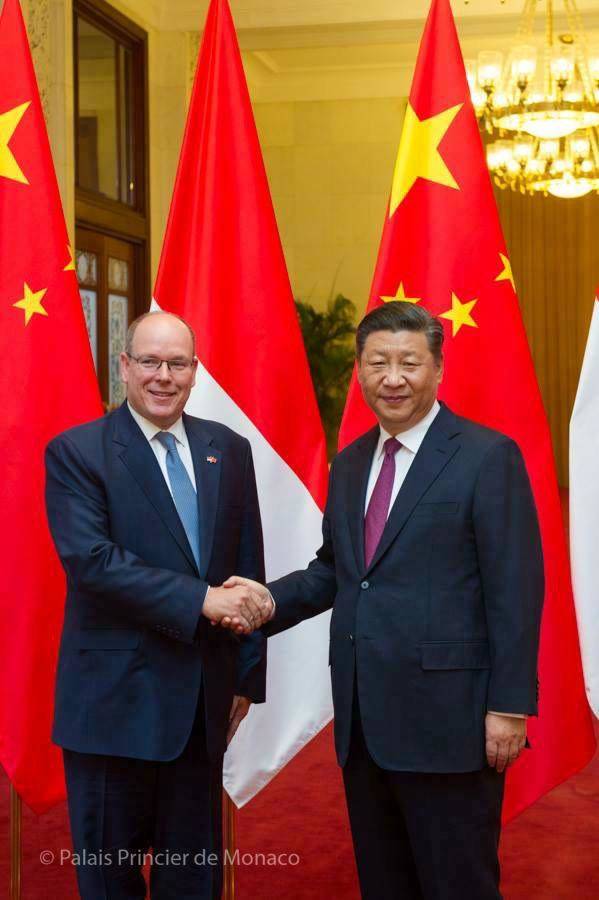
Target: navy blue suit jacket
[(443, 625), (135, 648)]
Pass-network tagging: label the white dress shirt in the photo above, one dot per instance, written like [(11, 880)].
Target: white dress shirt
[(410, 441), (178, 429)]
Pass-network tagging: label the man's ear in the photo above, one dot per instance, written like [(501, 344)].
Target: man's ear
[(125, 366), (441, 371)]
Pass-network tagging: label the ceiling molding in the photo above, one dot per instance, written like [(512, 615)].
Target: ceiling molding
[(315, 87), (312, 21)]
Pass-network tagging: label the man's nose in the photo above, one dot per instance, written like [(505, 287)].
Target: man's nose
[(394, 375), (163, 372)]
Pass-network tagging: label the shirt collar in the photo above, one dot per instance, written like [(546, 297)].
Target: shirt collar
[(150, 430), (414, 436)]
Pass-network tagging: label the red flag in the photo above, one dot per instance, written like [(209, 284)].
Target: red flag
[(48, 385), (442, 246), (223, 269)]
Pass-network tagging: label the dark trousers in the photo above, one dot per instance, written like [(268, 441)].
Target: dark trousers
[(119, 808), (420, 836)]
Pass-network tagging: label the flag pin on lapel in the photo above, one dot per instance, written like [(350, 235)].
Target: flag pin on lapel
[(211, 459)]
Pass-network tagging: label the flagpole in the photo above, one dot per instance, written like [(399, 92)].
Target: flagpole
[(15, 845), (230, 841)]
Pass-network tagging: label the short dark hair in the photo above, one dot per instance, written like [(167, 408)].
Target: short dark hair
[(153, 312), (399, 315)]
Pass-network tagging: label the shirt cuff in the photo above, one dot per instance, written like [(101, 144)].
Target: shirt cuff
[(274, 605), (197, 634), (509, 715)]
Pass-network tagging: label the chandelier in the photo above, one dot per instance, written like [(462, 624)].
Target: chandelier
[(539, 107)]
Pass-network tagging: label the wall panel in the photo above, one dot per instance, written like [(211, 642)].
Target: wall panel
[(553, 248)]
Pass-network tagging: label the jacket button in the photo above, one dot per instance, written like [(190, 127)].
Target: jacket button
[(365, 585), (351, 637)]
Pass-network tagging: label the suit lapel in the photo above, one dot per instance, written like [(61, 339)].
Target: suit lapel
[(141, 462), (437, 448), (207, 464), (356, 484)]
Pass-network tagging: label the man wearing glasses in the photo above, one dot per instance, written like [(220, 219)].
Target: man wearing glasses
[(151, 510)]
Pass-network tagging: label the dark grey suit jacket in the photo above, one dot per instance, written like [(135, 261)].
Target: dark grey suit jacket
[(135, 648), (444, 623)]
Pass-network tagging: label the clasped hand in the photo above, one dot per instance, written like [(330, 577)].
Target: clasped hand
[(239, 604)]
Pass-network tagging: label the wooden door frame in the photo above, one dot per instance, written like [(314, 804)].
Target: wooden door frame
[(95, 242), (93, 211)]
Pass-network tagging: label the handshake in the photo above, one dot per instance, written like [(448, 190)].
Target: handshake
[(239, 604)]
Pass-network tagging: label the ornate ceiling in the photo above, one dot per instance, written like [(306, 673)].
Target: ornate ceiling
[(331, 49)]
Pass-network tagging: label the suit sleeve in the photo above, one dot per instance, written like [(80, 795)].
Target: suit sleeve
[(131, 589), (510, 558), (307, 593), (251, 676)]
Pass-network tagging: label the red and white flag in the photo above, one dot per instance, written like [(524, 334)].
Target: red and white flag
[(584, 509), (222, 269)]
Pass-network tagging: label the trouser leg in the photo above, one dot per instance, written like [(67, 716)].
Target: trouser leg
[(111, 809), (384, 858), (187, 839), (454, 823)]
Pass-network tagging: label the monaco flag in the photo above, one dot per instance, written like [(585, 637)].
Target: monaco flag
[(442, 246), (222, 268), (49, 385), (584, 509)]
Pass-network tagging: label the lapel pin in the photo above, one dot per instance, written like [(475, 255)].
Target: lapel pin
[(211, 459)]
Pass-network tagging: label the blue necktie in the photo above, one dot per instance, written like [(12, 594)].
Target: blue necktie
[(184, 494)]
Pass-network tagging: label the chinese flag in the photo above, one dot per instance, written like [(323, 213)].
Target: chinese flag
[(442, 246), (48, 385)]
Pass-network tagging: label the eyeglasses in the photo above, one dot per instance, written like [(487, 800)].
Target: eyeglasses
[(152, 363)]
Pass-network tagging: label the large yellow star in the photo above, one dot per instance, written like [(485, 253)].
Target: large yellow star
[(459, 314), (31, 302), (506, 274), (401, 295), (418, 155), (9, 121)]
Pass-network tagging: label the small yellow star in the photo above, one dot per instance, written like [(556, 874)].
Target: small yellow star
[(506, 274), (459, 314), (9, 121), (401, 295), (70, 266), (31, 302), (418, 155)]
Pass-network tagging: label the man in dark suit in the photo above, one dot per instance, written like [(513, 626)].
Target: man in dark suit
[(150, 509), (431, 559)]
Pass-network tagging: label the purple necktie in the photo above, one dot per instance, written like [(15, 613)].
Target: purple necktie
[(378, 508)]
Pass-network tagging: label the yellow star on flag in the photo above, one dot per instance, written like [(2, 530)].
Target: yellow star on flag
[(31, 302), (506, 274), (418, 155), (9, 122), (401, 295), (70, 266), (459, 314)]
